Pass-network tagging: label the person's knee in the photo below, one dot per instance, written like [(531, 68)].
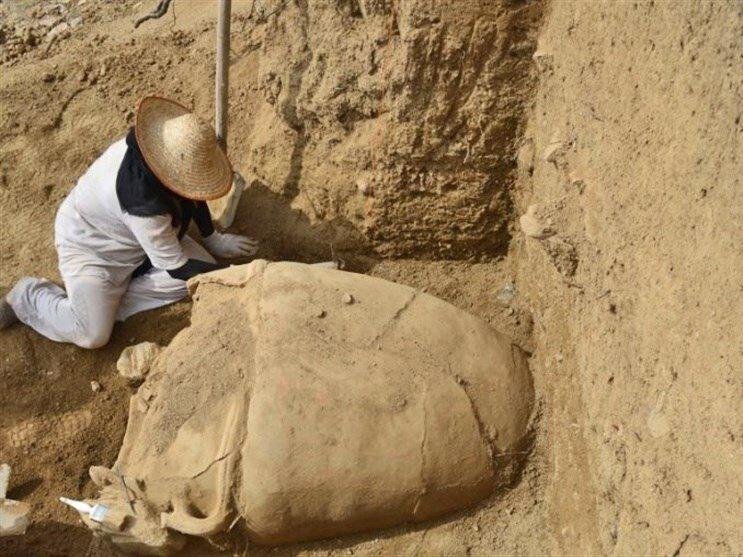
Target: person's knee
[(93, 337), (93, 341), (22, 291)]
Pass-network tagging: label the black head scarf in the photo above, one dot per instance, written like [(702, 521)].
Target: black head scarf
[(141, 194)]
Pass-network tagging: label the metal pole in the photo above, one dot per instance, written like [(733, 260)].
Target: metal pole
[(223, 71)]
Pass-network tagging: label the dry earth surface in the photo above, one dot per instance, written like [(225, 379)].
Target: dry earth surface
[(411, 136)]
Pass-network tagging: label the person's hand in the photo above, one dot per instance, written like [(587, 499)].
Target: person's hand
[(230, 245)]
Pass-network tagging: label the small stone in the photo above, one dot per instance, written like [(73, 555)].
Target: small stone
[(47, 77), (54, 8), (476, 528), (75, 22), (319, 313), (14, 517), (136, 361), (508, 311), (577, 183), (554, 151), (101, 476), (532, 226), (543, 60), (348, 299), (60, 30), (103, 71), (146, 393), (95, 386), (29, 38), (48, 20), (507, 293), (364, 186)]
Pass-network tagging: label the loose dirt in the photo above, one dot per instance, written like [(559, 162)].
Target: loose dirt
[(424, 131)]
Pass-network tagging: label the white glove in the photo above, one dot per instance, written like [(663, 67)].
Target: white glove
[(230, 245)]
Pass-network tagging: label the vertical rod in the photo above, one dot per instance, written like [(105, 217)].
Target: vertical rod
[(223, 71)]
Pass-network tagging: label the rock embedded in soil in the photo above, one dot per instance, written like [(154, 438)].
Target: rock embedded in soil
[(543, 60), (62, 30), (563, 254), (553, 152), (533, 225), (579, 184), (14, 515), (48, 20), (28, 37), (364, 186), (135, 361), (507, 293)]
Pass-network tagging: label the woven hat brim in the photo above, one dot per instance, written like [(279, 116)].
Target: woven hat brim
[(212, 177)]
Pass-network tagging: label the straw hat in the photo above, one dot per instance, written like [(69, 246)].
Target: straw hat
[(181, 149)]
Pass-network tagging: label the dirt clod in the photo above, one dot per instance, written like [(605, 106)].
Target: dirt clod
[(136, 361)]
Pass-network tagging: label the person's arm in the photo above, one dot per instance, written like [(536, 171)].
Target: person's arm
[(159, 241), (203, 218), (194, 267)]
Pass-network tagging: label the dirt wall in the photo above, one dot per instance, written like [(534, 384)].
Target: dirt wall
[(391, 127), (633, 160)]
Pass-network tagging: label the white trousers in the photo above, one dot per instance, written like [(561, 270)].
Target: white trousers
[(84, 314)]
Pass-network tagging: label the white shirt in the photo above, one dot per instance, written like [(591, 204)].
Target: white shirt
[(93, 236)]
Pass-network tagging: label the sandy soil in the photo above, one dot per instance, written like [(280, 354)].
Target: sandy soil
[(630, 302), (642, 344)]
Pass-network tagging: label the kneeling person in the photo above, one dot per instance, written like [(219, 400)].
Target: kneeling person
[(121, 232)]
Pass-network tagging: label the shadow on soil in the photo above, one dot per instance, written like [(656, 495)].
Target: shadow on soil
[(46, 539)]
